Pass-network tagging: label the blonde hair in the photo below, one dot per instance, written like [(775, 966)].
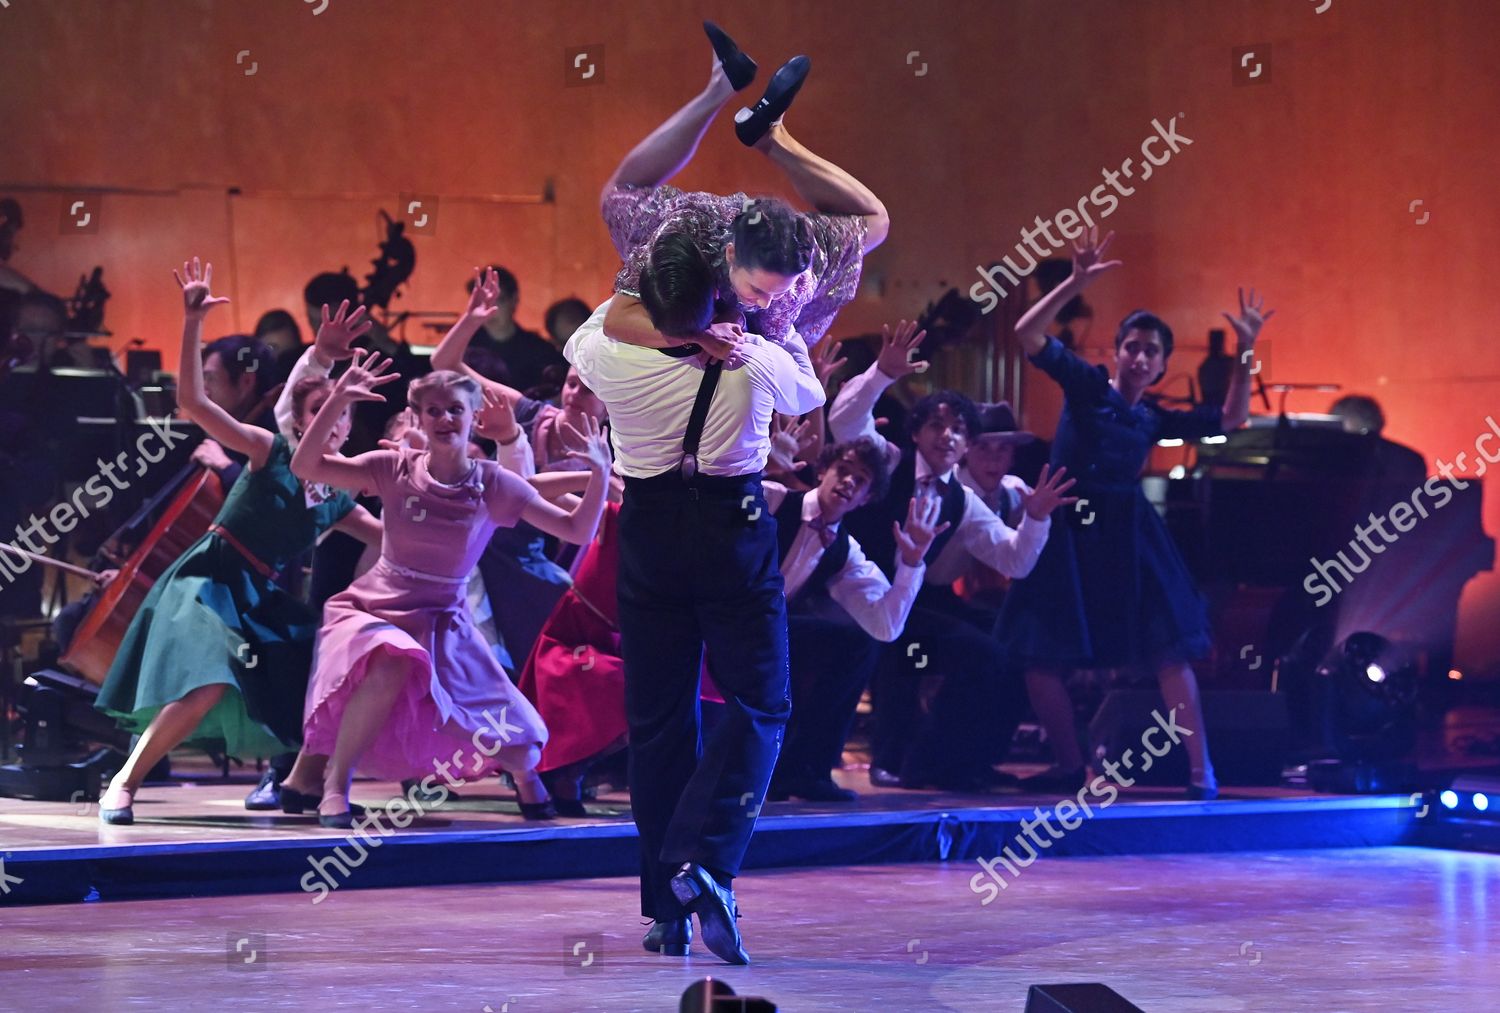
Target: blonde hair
[(441, 380)]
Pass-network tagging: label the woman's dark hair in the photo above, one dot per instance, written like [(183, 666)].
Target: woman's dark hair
[(772, 235), (868, 453), (1141, 320), (277, 320), (242, 353), (956, 402), (679, 287)]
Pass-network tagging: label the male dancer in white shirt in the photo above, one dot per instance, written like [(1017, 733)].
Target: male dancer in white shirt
[(698, 570)]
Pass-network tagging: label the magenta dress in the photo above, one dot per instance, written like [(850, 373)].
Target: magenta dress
[(412, 604)]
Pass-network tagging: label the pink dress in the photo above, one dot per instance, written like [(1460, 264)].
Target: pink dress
[(412, 604)]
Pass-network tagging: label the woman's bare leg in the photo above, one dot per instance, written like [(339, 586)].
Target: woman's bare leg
[(672, 145), (172, 724), (1179, 688), (365, 715), (1054, 709), (306, 775), (824, 185)]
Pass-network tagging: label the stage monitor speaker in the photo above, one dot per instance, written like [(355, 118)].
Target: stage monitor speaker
[(1090, 997), (1249, 735)]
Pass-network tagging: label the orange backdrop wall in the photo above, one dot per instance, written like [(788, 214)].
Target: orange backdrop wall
[(968, 118)]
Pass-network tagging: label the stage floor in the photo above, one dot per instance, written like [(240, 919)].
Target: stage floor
[(1367, 929)]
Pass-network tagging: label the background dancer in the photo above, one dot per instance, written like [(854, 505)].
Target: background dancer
[(1113, 590), (215, 621)]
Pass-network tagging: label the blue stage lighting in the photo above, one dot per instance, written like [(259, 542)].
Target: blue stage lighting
[(1481, 801), (1449, 799)]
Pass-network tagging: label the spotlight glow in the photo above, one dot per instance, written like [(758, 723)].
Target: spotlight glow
[(1375, 673), (1449, 799), (1481, 801)]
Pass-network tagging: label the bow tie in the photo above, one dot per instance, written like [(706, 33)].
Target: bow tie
[(826, 532), (933, 485)]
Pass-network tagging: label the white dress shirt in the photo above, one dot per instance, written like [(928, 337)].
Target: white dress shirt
[(980, 534), (879, 606), (650, 396)]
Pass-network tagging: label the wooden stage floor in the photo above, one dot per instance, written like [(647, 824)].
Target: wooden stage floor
[(1370, 929)]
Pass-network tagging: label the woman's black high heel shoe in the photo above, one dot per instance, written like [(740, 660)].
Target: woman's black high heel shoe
[(738, 67), (536, 810), (751, 124), (295, 803)]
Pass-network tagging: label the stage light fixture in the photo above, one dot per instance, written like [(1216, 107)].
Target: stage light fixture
[(1449, 799), (1368, 696), (1481, 801)]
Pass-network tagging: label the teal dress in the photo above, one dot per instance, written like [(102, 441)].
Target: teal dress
[(213, 618)]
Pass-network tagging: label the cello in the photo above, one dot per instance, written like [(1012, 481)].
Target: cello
[(196, 494)]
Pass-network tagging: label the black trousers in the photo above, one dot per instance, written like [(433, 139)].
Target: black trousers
[(832, 661), (978, 701), (699, 570)]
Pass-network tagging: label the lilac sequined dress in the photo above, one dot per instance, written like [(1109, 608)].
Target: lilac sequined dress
[(637, 215)]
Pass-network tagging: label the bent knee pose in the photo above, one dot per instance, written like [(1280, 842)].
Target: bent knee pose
[(1111, 590), (690, 257), (218, 652), (404, 685)]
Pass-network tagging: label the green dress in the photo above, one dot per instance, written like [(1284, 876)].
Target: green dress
[(214, 618)]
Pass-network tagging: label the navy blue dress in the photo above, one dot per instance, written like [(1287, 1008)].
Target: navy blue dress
[(1110, 588)]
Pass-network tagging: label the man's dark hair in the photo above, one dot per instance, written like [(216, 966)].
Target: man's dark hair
[(956, 402), (331, 289), (771, 235), (562, 306), (1362, 410), (510, 289), (1141, 320), (241, 353), (679, 287), (277, 320), (868, 453)]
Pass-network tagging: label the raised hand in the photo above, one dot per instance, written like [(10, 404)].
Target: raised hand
[(914, 538), (411, 435), (497, 419), (485, 299), (826, 360), (366, 371), (588, 444), (1088, 257), (1251, 319), (897, 358), (339, 331), (196, 280), (1048, 494)]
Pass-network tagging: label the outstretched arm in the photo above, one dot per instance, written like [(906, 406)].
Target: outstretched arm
[(577, 526), (196, 280), (1088, 264), (627, 320), (449, 353), (1247, 329), (310, 461), (852, 413)]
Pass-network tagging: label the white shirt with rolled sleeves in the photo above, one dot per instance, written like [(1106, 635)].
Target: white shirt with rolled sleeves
[(980, 534), (650, 396), (860, 589)]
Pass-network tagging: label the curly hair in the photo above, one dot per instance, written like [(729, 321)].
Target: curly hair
[(870, 454)]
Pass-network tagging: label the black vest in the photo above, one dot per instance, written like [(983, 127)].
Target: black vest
[(788, 523), (871, 524)]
